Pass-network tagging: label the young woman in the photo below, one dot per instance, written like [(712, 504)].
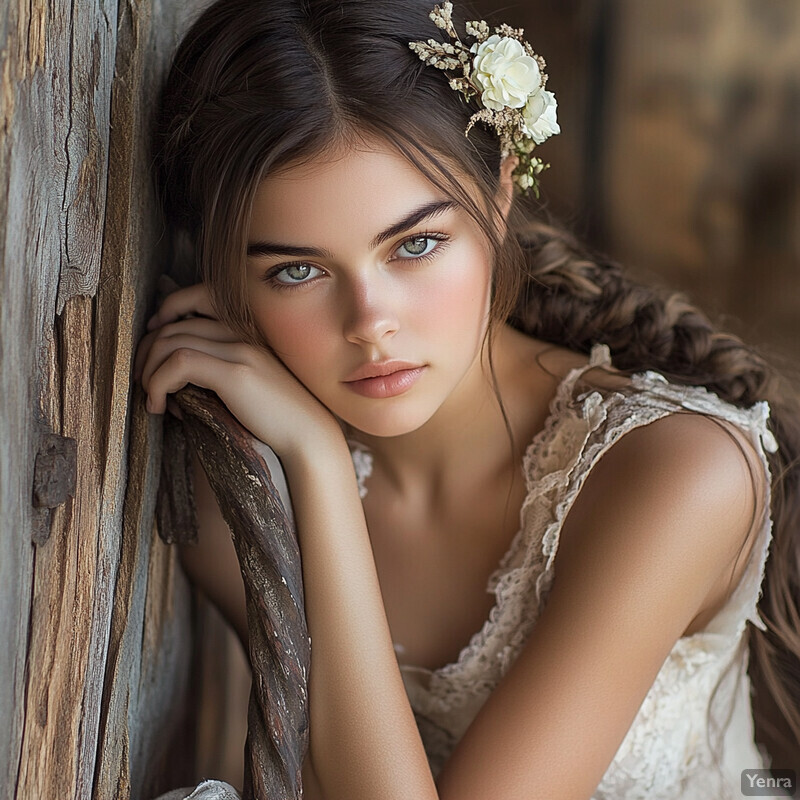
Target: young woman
[(534, 500)]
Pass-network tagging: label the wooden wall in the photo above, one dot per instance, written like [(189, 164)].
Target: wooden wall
[(95, 616)]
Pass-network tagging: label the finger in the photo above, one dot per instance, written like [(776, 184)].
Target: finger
[(142, 352), (189, 300), (186, 366), (200, 327), (163, 350), (186, 302)]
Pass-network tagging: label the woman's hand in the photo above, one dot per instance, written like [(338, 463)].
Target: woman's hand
[(258, 390)]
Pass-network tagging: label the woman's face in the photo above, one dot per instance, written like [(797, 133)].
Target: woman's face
[(371, 287)]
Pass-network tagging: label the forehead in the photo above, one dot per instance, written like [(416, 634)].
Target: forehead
[(355, 190)]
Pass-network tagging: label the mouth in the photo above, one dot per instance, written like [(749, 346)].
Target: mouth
[(386, 379), (380, 369)]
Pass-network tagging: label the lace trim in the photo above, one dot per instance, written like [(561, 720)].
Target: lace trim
[(362, 463)]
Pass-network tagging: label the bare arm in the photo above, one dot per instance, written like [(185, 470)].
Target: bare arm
[(357, 700), (364, 739), (356, 717)]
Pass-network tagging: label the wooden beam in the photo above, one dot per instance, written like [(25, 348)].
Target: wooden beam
[(269, 556)]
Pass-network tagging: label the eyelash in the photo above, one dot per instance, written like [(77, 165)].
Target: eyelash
[(442, 238)]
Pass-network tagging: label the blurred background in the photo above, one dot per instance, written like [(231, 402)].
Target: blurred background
[(680, 147)]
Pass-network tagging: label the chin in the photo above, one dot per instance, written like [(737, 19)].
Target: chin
[(386, 425)]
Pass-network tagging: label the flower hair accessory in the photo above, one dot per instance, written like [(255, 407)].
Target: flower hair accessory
[(508, 79)]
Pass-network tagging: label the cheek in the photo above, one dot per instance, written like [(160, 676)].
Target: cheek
[(297, 334), (457, 301)]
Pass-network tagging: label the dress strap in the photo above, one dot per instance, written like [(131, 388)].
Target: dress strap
[(599, 356), (656, 396)]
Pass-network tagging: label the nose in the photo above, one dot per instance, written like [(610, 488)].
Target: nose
[(371, 313)]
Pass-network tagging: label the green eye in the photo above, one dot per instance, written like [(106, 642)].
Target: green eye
[(421, 246), (416, 247), (296, 273)]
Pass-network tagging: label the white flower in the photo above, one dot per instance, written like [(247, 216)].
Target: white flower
[(539, 116), (524, 181), (504, 73)]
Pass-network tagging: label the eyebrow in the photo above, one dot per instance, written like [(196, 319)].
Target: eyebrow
[(412, 219)]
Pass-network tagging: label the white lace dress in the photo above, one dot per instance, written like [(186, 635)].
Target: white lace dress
[(683, 727), (693, 734)]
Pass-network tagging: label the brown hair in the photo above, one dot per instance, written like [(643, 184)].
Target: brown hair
[(257, 86)]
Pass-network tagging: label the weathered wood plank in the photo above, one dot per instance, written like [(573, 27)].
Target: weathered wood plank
[(64, 579), (149, 640), (70, 374), (269, 557), (28, 249), (146, 683), (92, 44)]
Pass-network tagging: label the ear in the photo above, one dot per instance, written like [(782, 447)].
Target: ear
[(505, 190)]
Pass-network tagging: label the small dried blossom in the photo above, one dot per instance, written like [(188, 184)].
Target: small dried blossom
[(442, 18), (436, 54), (511, 33), (462, 85), (508, 79), (478, 29)]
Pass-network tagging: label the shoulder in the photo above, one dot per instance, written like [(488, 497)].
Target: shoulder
[(701, 454), (676, 500), (686, 467)]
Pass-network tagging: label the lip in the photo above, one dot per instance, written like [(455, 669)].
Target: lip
[(379, 369), (385, 379)]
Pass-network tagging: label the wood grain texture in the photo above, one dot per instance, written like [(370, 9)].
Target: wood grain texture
[(146, 718), (21, 324), (97, 617), (146, 740), (92, 43)]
